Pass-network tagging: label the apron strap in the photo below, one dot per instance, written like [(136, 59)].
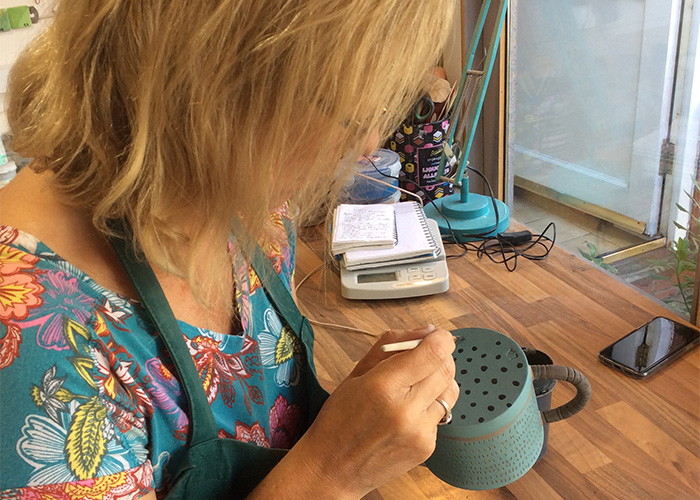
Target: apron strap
[(281, 297), (278, 292), (153, 300)]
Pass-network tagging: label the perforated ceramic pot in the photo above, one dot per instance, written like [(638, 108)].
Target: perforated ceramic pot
[(496, 433)]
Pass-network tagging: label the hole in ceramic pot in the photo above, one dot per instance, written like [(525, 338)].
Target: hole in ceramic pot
[(484, 387)]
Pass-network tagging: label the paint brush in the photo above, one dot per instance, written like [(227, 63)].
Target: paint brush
[(407, 345)]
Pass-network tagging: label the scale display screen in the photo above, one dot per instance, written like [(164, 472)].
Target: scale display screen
[(377, 277)]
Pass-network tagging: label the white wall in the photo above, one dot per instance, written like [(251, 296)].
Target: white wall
[(13, 42)]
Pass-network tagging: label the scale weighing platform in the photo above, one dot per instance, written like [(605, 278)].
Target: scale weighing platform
[(399, 281)]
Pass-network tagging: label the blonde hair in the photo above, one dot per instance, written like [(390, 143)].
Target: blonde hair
[(182, 115)]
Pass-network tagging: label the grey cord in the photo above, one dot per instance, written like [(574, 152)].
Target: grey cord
[(331, 325)]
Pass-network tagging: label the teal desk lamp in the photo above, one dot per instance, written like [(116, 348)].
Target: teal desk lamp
[(466, 216)]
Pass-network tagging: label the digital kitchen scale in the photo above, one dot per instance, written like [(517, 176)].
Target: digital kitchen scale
[(398, 281)]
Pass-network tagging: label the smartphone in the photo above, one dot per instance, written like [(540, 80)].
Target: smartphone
[(650, 348)]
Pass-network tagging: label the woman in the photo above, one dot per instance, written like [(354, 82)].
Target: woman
[(160, 129)]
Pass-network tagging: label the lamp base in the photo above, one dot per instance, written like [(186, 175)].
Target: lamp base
[(476, 216)]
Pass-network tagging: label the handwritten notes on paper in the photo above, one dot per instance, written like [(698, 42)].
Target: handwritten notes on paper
[(363, 226)]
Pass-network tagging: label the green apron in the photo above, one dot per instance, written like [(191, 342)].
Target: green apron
[(211, 467)]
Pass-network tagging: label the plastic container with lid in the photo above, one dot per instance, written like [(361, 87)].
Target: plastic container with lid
[(365, 191), (3, 153), (8, 171)]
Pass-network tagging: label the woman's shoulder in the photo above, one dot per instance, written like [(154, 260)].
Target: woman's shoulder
[(37, 221), (44, 275)]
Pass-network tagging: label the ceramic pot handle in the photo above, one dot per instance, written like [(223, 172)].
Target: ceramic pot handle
[(574, 377)]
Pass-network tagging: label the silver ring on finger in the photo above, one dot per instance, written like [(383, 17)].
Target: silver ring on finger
[(447, 417)]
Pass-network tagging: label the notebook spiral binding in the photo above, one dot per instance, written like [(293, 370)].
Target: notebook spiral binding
[(425, 227), (396, 231)]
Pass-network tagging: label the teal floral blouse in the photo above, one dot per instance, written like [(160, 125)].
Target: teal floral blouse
[(90, 406)]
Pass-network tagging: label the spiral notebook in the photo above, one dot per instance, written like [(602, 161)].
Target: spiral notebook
[(415, 241)]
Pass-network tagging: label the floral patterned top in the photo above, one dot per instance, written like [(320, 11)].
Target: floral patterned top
[(90, 406)]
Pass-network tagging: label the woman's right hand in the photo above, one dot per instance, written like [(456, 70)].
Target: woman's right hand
[(380, 422)]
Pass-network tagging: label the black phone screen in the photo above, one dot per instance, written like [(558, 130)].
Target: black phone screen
[(656, 341)]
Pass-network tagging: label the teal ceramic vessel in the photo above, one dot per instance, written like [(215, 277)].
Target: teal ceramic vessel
[(496, 432)]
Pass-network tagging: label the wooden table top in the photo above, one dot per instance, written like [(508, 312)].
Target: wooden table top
[(636, 438)]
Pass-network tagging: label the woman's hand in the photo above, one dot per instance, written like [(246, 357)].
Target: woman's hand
[(380, 422), (375, 354)]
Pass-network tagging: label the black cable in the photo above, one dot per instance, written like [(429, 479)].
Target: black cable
[(455, 240), (493, 203), (500, 245), (490, 245)]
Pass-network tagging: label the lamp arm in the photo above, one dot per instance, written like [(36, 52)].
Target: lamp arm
[(473, 112), (468, 68)]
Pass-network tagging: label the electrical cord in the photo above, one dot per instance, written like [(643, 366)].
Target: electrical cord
[(454, 240), (491, 246), (314, 271), (379, 181), (330, 325), (430, 199), (505, 248), (493, 203)]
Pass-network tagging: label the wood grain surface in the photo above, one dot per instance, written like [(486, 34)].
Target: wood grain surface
[(636, 439)]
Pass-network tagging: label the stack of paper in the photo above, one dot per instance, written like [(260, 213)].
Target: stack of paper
[(415, 241), (367, 227)]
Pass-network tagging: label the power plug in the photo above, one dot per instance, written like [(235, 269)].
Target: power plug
[(515, 238)]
